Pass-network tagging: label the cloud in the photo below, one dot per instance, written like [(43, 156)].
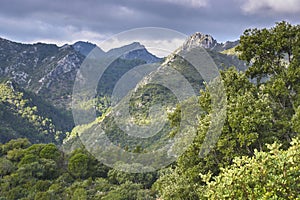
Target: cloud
[(159, 41), (94, 20), (271, 6), (160, 48), (33, 30), (188, 3)]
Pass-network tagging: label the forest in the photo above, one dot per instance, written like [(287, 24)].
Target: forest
[(257, 155)]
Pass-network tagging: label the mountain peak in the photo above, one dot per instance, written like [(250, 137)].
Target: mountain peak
[(132, 51), (83, 47), (199, 39), (126, 48), (134, 46)]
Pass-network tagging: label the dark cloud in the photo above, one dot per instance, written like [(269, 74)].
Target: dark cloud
[(63, 21)]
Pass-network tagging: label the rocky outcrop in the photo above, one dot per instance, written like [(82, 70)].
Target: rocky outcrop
[(208, 42)]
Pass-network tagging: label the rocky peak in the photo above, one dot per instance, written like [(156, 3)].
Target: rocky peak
[(200, 40)]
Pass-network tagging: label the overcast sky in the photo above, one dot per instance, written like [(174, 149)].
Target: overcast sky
[(67, 21)]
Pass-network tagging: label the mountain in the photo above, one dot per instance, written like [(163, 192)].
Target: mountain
[(45, 69), (134, 51), (50, 71), (84, 47), (218, 51), (229, 45), (200, 40), (145, 95), (45, 74), (206, 41)]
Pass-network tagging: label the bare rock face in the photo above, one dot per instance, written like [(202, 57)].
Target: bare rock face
[(200, 40), (208, 42), (49, 70)]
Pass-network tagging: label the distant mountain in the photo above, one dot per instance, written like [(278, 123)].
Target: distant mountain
[(49, 70), (135, 51), (84, 47), (229, 45)]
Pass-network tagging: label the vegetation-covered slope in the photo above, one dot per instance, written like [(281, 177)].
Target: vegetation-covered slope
[(25, 115), (146, 94)]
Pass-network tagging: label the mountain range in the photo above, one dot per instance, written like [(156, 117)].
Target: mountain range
[(142, 97), (47, 71)]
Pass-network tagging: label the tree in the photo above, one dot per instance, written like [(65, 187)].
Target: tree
[(266, 175), (20, 143), (79, 194), (260, 112), (274, 55), (126, 191), (6, 167), (50, 151), (247, 127), (78, 165), (269, 50)]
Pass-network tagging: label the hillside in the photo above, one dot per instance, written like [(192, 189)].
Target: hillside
[(146, 94), (21, 118), (49, 70)]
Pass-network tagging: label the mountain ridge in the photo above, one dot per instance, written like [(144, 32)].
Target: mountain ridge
[(49, 71)]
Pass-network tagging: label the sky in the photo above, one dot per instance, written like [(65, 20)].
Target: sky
[(67, 21)]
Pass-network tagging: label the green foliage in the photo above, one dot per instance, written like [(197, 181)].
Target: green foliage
[(79, 194), (42, 172), (50, 151), (27, 159), (20, 143), (247, 127), (257, 114), (266, 175), (78, 165), (128, 191), (144, 179), (6, 167), (269, 50), (274, 55), (20, 118)]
